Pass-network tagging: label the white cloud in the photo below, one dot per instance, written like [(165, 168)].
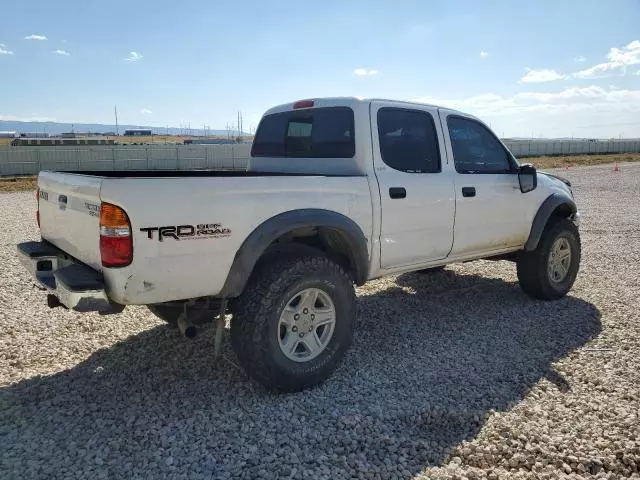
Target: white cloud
[(618, 61), (4, 51), (484, 54), (587, 111), (362, 72), (62, 52), (579, 59), (34, 118), (583, 97), (146, 111), (133, 57), (541, 76), (35, 37)]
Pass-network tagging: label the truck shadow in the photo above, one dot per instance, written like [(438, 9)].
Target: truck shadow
[(433, 357)]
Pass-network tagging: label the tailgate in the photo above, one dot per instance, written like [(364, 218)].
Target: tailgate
[(70, 214)]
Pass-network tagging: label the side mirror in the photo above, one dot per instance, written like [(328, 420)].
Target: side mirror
[(528, 178)]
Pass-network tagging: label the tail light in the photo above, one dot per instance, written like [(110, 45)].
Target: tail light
[(116, 241), (38, 206)]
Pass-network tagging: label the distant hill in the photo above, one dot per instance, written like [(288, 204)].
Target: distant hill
[(53, 128)]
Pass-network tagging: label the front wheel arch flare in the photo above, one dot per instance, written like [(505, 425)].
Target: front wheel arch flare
[(555, 204)]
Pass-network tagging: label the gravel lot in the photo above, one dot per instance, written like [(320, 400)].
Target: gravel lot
[(452, 375)]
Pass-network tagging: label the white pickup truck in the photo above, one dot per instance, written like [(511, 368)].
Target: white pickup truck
[(338, 191)]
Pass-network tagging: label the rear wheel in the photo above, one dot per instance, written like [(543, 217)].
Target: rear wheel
[(548, 272), (294, 321)]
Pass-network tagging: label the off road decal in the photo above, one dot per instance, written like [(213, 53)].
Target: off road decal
[(201, 231), (94, 210)]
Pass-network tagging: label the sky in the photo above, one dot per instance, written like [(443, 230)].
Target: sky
[(529, 68)]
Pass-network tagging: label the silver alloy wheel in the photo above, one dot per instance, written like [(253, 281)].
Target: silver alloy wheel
[(306, 325), (559, 260)]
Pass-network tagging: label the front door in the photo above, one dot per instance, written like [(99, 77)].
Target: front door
[(417, 197), (490, 214)]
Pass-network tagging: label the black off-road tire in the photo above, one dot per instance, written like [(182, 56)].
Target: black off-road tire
[(532, 266), (254, 328)]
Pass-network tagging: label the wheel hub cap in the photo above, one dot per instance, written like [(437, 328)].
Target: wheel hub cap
[(559, 260), (306, 325)]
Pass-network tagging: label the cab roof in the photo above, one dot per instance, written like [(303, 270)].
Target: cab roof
[(353, 102)]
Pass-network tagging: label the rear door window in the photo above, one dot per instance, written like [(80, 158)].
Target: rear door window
[(325, 132), (408, 140)]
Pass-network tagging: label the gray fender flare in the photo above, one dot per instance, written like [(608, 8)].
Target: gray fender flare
[(542, 217), (267, 232)]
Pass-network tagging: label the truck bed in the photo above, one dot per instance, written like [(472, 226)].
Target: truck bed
[(170, 268), (196, 173)]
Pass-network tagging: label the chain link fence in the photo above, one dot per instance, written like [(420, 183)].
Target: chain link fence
[(30, 160)]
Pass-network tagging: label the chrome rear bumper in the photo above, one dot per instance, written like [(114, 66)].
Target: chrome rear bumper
[(75, 285)]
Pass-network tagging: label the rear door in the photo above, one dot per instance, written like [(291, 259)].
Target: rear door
[(416, 191), (490, 209), (70, 214)]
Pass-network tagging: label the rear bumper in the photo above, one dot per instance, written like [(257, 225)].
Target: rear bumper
[(75, 285)]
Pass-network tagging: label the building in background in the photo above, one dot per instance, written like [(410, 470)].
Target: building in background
[(8, 134), (56, 142), (33, 135), (138, 132)]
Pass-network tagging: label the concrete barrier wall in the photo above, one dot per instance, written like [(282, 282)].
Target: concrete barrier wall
[(30, 160)]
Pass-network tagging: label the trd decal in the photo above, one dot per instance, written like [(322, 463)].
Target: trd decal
[(187, 232)]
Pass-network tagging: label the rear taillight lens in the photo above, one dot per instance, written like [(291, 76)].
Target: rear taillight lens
[(38, 206), (116, 242)]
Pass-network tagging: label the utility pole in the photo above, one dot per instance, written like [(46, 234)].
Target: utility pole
[(115, 112)]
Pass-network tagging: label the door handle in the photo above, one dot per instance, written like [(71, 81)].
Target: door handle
[(468, 191), (397, 192)]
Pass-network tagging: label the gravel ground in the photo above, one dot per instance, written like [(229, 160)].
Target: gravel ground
[(454, 375)]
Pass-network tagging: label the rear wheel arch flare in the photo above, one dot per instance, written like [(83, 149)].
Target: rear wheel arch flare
[(335, 231)]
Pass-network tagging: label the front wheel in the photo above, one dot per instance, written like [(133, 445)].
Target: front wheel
[(294, 321), (548, 272)]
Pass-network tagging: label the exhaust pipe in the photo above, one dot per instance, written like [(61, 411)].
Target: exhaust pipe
[(187, 328)]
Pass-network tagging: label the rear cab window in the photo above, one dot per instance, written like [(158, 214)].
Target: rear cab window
[(323, 132)]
